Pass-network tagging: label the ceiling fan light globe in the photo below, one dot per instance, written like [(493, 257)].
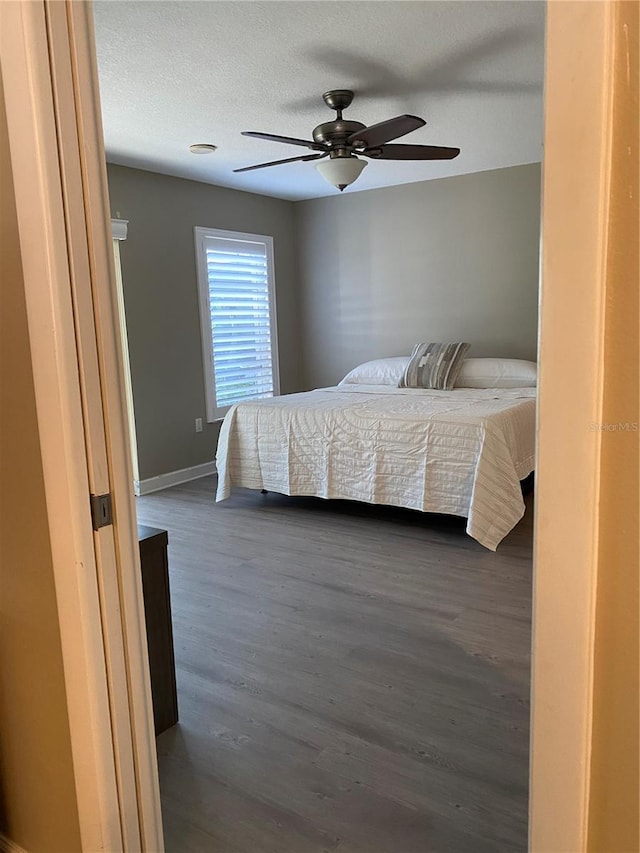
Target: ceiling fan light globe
[(341, 171)]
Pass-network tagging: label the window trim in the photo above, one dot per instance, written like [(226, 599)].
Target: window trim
[(215, 413)]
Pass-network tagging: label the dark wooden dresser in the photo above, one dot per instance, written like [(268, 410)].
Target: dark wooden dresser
[(157, 611)]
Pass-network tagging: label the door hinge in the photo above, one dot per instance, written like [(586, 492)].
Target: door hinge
[(101, 515)]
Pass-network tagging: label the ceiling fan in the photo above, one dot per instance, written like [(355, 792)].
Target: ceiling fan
[(341, 140)]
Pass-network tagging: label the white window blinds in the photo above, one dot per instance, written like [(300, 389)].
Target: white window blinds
[(236, 300)]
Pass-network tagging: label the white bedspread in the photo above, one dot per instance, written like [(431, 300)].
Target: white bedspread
[(461, 452)]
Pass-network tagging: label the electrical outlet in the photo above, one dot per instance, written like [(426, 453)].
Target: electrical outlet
[(198, 424)]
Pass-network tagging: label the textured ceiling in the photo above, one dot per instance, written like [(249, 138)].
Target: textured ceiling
[(176, 73)]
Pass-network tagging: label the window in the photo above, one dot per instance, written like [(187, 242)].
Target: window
[(237, 314)]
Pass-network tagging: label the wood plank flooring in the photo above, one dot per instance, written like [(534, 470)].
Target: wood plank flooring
[(351, 679)]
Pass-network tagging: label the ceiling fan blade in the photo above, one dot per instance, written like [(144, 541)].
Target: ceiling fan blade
[(288, 140), (411, 152), (378, 134), (279, 162)]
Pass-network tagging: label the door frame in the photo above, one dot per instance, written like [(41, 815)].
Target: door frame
[(577, 154), (580, 51), (57, 158)]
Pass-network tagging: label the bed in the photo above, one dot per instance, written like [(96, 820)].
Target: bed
[(461, 452)]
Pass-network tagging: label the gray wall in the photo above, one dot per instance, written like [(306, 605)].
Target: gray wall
[(450, 259), (161, 304)]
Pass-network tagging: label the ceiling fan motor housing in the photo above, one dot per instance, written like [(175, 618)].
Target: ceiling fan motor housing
[(336, 133)]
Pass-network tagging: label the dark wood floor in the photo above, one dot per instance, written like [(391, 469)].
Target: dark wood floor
[(351, 679)]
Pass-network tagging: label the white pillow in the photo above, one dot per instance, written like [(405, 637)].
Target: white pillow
[(497, 373), (382, 371)]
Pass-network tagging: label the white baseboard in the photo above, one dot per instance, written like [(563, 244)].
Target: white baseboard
[(9, 846), (173, 478)]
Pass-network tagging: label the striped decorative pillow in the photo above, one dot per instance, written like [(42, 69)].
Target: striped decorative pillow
[(434, 366)]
